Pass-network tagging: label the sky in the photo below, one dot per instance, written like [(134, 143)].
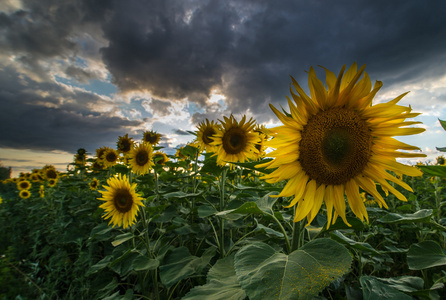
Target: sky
[(80, 73)]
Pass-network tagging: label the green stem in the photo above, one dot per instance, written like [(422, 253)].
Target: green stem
[(222, 207), (287, 240)]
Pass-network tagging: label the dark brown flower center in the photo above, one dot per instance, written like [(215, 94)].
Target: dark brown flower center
[(123, 200), (142, 157), (51, 173), (207, 135), (235, 140), (125, 145), (335, 146), (111, 156)]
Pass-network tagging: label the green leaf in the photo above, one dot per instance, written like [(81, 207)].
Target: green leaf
[(122, 238), (439, 171), (421, 216), (443, 124), (252, 165), (442, 149), (339, 237), (355, 223), (221, 283), (266, 203), (425, 255), (100, 265), (205, 211), (245, 209), (180, 264), (373, 289), (265, 273), (143, 263)]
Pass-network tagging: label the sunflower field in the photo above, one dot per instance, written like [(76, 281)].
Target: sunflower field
[(319, 207)]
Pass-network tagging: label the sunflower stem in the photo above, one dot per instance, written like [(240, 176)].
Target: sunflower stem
[(287, 240), (222, 207), (298, 231)]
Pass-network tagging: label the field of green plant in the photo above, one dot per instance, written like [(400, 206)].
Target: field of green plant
[(208, 232), (328, 213)]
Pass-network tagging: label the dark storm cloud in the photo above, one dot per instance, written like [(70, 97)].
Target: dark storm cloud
[(244, 50), (247, 49), (57, 119)]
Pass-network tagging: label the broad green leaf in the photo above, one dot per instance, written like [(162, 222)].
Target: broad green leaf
[(122, 238), (265, 273), (205, 211), (246, 208), (100, 265), (426, 254), (405, 284), (268, 231), (373, 289), (221, 283), (339, 237), (421, 216), (143, 263), (442, 149), (266, 203), (180, 264), (439, 171)]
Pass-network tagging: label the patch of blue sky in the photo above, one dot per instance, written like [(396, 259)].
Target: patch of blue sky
[(95, 86)]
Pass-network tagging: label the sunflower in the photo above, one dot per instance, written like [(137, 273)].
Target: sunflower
[(179, 154), (79, 159), (205, 133), (50, 172), (96, 166), (23, 185), (335, 142), (42, 191), (235, 142), (260, 145), (121, 201), (151, 137), (100, 152), (124, 144), (160, 158), (441, 160), (110, 157), (94, 183), (25, 194), (141, 158), (52, 182)]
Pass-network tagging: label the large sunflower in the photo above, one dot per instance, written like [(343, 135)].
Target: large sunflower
[(141, 158), (205, 133), (236, 141), (121, 201), (335, 142)]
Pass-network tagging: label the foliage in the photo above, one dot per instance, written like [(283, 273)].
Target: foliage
[(208, 232)]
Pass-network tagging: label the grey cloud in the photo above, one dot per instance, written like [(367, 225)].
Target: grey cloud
[(248, 50), (47, 123), (79, 74), (180, 132), (160, 107)]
